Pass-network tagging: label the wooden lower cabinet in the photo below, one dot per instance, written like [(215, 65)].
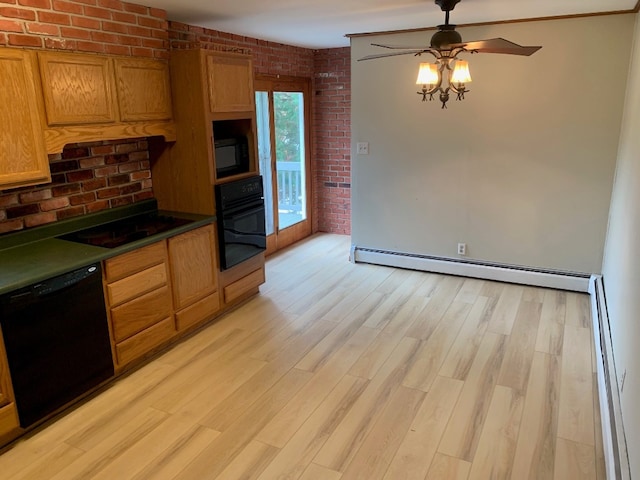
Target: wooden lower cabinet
[(155, 292), (246, 284), (194, 276), (139, 302), (9, 423), (242, 281), (136, 346), (198, 312)]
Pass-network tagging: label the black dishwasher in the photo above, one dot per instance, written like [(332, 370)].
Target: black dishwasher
[(57, 341)]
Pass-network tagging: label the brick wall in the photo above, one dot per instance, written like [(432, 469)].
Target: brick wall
[(332, 127), (86, 178), (268, 57), (115, 27), (104, 26)]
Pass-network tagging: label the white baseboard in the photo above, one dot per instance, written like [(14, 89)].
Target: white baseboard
[(578, 282), (614, 441)]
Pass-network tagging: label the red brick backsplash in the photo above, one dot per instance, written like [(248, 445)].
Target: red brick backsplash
[(102, 26), (86, 178)]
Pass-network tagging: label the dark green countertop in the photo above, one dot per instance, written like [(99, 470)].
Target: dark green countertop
[(34, 255)]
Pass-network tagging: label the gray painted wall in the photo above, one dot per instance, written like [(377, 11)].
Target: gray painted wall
[(621, 266), (521, 171)]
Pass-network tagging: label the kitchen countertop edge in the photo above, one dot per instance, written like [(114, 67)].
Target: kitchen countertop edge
[(40, 259)]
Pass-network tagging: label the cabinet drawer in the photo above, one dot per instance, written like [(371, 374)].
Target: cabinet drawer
[(128, 263), (137, 284), (139, 344), (8, 419), (140, 313), (244, 285), (199, 311)]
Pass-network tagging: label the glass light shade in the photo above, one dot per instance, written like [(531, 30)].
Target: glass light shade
[(428, 74), (461, 72)]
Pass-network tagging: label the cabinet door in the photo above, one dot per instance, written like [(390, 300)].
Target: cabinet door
[(23, 159), (6, 391), (78, 88), (143, 89), (230, 80), (193, 266)]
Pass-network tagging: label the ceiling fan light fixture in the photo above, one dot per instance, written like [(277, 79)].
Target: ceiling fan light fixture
[(449, 74), (461, 73), (428, 74)]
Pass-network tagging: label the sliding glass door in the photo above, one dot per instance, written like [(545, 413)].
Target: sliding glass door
[(282, 118)]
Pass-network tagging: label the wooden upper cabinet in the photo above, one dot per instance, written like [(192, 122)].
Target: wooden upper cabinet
[(143, 89), (23, 159), (192, 261), (78, 88), (230, 82)]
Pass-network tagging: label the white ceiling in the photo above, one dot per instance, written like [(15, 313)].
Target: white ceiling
[(324, 23)]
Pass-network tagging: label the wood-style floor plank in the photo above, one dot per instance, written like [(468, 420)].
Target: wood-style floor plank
[(182, 451), (434, 350), (462, 435), (576, 416), (552, 318), (506, 309), (342, 371), (250, 462), (345, 441), (284, 425), (535, 453), (312, 435), (497, 445), (520, 347), (414, 455), (449, 468), (464, 349), (374, 456), (574, 460)]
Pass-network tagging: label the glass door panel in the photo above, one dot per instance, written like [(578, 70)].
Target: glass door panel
[(290, 158), (264, 155), (282, 118)]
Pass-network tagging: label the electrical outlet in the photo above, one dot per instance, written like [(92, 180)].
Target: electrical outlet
[(462, 249), (362, 148), (624, 377)]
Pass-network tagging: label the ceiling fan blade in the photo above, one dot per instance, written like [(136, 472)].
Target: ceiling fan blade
[(402, 47), (498, 45), (393, 54)]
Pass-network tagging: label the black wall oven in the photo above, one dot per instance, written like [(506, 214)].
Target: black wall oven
[(241, 222)]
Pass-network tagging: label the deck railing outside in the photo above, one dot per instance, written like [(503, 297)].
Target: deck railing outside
[(290, 193)]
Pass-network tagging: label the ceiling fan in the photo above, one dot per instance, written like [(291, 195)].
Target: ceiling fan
[(446, 44)]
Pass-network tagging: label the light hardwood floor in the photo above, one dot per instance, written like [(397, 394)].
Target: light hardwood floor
[(339, 371)]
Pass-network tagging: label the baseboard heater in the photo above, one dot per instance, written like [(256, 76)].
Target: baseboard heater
[(614, 441), (563, 280)]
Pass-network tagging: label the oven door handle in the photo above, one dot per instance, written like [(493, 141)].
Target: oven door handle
[(242, 212)]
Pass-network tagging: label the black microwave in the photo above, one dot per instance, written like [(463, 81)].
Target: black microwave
[(231, 156)]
